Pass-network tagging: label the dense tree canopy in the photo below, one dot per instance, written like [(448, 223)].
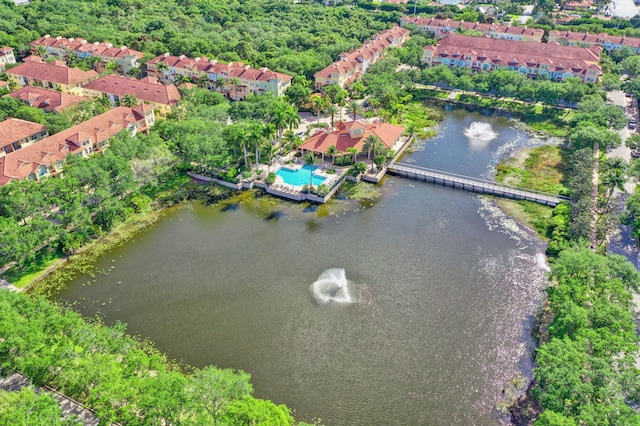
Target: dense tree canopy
[(120, 378), (251, 31)]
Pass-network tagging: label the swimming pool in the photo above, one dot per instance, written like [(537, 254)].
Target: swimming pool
[(300, 177)]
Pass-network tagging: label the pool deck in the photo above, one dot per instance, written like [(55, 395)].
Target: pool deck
[(294, 192)]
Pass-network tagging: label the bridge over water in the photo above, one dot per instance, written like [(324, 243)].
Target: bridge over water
[(467, 183)]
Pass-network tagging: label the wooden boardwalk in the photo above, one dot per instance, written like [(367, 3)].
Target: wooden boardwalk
[(472, 184)]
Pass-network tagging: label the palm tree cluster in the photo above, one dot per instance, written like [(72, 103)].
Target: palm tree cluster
[(264, 137)]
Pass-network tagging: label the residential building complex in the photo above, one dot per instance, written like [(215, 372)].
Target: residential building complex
[(60, 48), (16, 134), (442, 27), (46, 99), (532, 59), (55, 75), (6, 57), (352, 134), (354, 63), (235, 80), (608, 42), (46, 157), (149, 91)]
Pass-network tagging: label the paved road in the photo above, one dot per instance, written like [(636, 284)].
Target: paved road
[(617, 97)]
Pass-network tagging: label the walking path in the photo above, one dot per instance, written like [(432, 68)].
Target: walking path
[(69, 407)]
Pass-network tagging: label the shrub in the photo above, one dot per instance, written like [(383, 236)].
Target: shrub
[(271, 178), (231, 175)]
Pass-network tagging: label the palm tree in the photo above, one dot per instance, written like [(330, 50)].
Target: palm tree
[(311, 160), (219, 83), (135, 72), (129, 101), (279, 118), (203, 82), (41, 51), (112, 66), (319, 103), (332, 110), (270, 150), (614, 176), (354, 151), (369, 145), (256, 138), (103, 100), (269, 131), (234, 82), (354, 108), (342, 102), (292, 117), (332, 151), (239, 137)]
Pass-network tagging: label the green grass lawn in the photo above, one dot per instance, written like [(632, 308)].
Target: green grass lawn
[(540, 169), (20, 277)]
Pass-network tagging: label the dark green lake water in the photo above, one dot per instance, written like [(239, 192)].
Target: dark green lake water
[(444, 289)]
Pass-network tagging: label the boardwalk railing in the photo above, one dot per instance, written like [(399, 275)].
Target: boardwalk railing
[(474, 185)]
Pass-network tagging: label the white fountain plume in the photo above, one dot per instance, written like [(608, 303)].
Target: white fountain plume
[(480, 132), (331, 286)]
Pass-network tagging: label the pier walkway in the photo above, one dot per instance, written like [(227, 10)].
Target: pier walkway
[(472, 184)]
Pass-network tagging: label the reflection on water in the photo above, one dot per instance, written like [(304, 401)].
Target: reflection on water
[(446, 287)]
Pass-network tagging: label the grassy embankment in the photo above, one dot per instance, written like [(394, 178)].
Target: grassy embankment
[(50, 267), (540, 118), (540, 169)]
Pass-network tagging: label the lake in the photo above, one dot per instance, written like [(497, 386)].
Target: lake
[(441, 287)]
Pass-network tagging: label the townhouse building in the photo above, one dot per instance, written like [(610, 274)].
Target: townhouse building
[(148, 91), (54, 75), (46, 99), (532, 59), (606, 41), (351, 65), (442, 27), (46, 157), (235, 80), (16, 134), (6, 57), (61, 48)]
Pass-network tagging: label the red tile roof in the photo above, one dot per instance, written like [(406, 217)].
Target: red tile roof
[(203, 64), (49, 100), (599, 39), (80, 45), (342, 140), (14, 129), (477, 26), (506, 52), (21, 163), (55, 72), (148, 90), (370, 51), (5, 50)]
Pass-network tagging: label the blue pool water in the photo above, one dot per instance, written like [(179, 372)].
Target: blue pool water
[(300, 177)]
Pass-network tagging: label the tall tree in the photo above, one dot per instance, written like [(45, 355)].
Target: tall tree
[(332, 151), (311, 160), (354, 108)]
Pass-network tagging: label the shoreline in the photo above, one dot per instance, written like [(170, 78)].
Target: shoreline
[(49, 281)]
